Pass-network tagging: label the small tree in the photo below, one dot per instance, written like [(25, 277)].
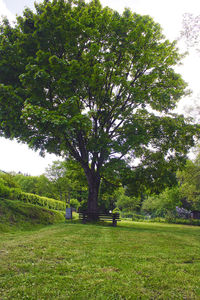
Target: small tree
[(84, 81)]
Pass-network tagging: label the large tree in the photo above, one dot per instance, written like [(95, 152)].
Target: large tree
[(84, 81)]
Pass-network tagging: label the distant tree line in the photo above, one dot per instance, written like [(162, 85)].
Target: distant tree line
[(65, 181)]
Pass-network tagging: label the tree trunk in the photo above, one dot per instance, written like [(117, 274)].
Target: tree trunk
[(93, 179)]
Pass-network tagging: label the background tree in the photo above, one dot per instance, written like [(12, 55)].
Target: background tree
[(84, 81), (8, 180), (189, 180), (39, 185), (60, 183), (164, 204), (126, 203), (68, 180)]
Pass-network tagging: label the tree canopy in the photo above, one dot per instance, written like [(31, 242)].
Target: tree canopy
[(189, 179), (80, 80)]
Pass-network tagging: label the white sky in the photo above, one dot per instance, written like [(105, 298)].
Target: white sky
[(17, 157)]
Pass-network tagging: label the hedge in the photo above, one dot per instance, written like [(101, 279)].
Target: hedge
[(16, 194), (41, 201)]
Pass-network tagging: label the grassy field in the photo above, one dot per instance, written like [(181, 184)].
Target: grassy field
[(76, 261)]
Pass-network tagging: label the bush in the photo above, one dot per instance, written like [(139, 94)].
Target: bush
[(41, 201), (140, 217), (4, 190), (16, 194), (187, 222), (75, 204), (172, 220), (124, 202), (83, 206), (163, 204)]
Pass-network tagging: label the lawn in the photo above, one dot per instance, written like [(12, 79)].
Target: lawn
[(76, 261)]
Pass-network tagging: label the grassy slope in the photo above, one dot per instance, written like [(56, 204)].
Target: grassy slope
[(19, 215), (75, 261)]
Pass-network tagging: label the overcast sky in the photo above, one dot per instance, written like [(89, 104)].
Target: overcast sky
[(17, 157)]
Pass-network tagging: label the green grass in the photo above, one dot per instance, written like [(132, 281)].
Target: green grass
[(15, 215), (76, 261)]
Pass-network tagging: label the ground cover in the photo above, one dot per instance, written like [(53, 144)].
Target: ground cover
[(17, 215), (76, 261)]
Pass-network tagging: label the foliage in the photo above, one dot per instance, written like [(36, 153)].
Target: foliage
[(74, 203), (83, 206), (125, 203), (67, 180), (83, 81), (39, 185), (193, 222), (163, 204), (17, 194), (173, 220), (151, 177), (60, 183), (8, 186), (41, 201), (4, 190), (8, 180), (189, 179), (107, 192)]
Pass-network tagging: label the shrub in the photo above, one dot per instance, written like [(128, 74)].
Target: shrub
[(124, 202), (140, 217), (75, 204), (83, 206), (4, 190), (16, 194), (163, 204)]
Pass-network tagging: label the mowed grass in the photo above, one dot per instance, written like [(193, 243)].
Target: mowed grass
[(76, 261)]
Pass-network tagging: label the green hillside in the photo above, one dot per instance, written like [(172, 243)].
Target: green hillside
[(19, 215)]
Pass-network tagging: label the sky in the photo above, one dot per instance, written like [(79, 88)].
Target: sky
[(18, 157)]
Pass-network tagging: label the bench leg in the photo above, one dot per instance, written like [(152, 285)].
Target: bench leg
[(114, 223)]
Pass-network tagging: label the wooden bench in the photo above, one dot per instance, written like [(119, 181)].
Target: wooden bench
[(114, 217)]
